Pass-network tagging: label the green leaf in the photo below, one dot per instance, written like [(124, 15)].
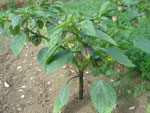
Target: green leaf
[(55, 37), (148, 109), (0, 26), (59, 59), (142, 43), (6, 32), (11, 16), (103, 96), (61, 99), (105, 37), (88, 27), (16, 21), (45, 55), (109, 72), (104, 6), (118, 56), (17, 43)]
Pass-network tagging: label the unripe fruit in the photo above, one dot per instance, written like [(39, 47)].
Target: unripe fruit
[(36, 40), (87, 52), (134, 22), (79, 58), (40, 24), (59, 22), (143, 14), (120, 8), (97, 62), (96, 21), (70, 24), (114, 18), (70, 37)]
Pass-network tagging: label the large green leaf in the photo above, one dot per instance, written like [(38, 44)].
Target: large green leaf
[(45, 54), (105, 37), (148, 109), (6, 32), (88, 27), (61, 99), (54, 37), (103, 96), (142, 43), (11, 16), (118, 56), (59, 59), (16, 20), (104, 6), (17, 43)]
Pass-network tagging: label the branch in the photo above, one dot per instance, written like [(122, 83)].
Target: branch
[(39, 35), (71, 79)]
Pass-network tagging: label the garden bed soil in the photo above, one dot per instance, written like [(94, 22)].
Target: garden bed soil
[(28, 89)]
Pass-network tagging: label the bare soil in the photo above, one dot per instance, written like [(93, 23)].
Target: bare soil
[(32, 91)]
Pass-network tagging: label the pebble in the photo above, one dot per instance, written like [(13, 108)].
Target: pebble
[(26, 55), (49, 83), (22, 96), (6, 84), (111, 80), (87, 72), (132, 108), (20, 90), (19, 68), (61, 75), (0, 82), (23, 86), (19, 109), (72, 71), (31, 78)]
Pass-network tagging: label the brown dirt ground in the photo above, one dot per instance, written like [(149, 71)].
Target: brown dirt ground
[(25, 77)]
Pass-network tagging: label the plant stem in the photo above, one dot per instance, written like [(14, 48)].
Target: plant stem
[(71, 79), (80, 83), (40, 36)]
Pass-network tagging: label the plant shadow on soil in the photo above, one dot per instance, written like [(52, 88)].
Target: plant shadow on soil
[(76, 104)]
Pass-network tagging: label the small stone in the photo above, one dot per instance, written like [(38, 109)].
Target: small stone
[(64, 67), (50, 89), (19, 68), (26, 55), (40, 70), (87, 72), (72, 71), (53, 75), (132, 108), (49, 83), (61, 75), (31, 78), (22, 96), (0, 83), (19, 109), (23, 86), (20, 90), (6, 84), (111, 80)]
